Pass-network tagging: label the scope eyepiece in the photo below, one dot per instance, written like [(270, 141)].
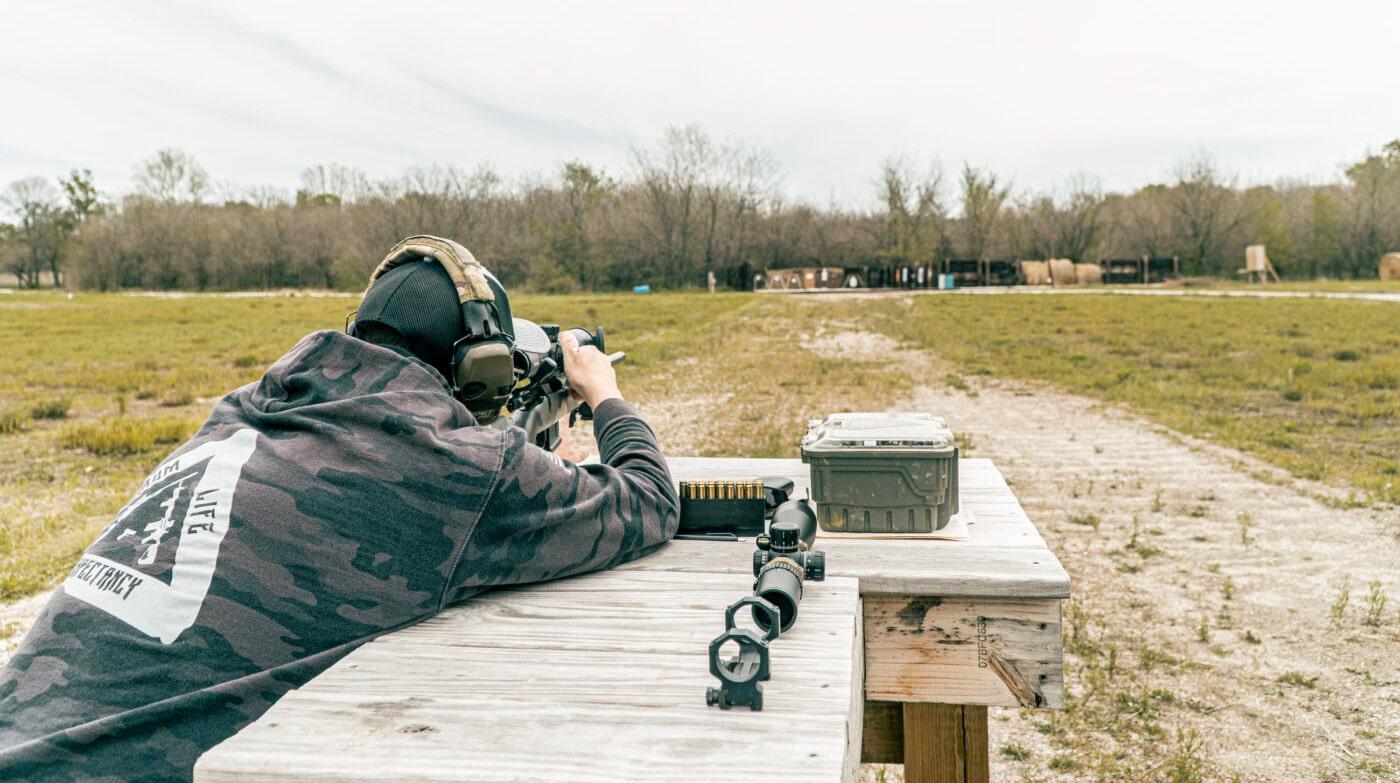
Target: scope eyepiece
[(780, 584), (586, 337), (784, 559)]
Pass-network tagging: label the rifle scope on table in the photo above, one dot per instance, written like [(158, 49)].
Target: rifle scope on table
[(784, 559)]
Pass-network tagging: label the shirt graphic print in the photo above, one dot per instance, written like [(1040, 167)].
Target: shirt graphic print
[(152, 566)]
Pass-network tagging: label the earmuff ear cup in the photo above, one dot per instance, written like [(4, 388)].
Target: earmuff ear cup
[(484, 375), (483, 365)]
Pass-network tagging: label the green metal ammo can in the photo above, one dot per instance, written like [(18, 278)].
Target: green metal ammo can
[(882, 472)]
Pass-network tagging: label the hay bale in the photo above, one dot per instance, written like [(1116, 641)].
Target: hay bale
[(1062, 271), (1035, 272), (1390, 266), (1088, 274)]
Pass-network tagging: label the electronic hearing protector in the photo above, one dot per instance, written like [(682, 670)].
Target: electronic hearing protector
[(482, 372)]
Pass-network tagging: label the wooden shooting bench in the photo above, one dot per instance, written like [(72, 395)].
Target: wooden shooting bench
[(895, 657)]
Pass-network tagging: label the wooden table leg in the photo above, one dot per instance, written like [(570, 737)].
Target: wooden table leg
[(945, 743)]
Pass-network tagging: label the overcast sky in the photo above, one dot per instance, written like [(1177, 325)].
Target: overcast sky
[(1036, 91)]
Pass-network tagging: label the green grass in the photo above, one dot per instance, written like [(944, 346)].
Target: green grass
[(1015, 752), (1309, 385), (122, 436), (95, 390), (1294, 678), (13, 421)]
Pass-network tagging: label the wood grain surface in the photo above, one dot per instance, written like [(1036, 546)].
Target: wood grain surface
[(600, 677)]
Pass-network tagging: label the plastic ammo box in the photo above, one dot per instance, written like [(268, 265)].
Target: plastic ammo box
[(882, 472)]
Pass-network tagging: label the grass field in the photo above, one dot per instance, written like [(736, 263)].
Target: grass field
[(96, 389), (1309, 385)]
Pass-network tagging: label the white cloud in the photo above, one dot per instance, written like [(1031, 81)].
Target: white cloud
[(257, 91)]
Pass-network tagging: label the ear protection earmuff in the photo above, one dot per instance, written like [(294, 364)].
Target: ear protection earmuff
[(482, 372)]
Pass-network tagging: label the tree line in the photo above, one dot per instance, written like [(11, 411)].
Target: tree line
[(689, 206)]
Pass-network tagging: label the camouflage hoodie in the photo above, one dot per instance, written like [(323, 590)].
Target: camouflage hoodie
[(344, 495)]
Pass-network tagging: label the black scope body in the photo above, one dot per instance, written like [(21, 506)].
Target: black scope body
[(537, 345), (784, 560), (539, 360), (583, 336)]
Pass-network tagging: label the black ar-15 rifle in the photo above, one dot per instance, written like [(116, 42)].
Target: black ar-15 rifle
[(541, 397)]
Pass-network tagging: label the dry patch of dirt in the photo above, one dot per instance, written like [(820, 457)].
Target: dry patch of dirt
[(15, 619), (851, 345), (1178, 547)]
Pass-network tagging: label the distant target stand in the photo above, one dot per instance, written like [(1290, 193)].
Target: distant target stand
[(1256, 263)]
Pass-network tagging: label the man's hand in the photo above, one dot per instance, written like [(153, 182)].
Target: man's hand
[(589, 372)]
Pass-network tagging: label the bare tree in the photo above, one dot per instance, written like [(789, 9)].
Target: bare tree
[(983, 201), (332, 181), (1142, 223), (1372, 225), (914, 215), (736, 184), (1040, 226), (444, 200), (172, 176), (43, 226), (671, 179), (1206, 209), (1079, 217)]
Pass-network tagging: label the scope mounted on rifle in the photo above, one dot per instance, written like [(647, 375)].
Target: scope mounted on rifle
[(540, 397)]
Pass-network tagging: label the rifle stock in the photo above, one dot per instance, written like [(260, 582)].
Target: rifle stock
[(541, 420)]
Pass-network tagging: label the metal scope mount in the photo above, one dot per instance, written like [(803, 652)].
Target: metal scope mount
[(741, 677)]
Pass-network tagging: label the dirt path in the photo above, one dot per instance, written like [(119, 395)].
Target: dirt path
[(15, 619), (1244, 623), (1179, 551)]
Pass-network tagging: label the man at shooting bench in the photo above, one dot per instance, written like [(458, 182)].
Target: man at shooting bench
[(360, 486)]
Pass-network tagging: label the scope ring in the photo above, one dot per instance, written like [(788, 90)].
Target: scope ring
[(748, 641), (759, 604)]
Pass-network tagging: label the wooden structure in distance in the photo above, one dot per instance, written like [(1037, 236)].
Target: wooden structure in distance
[(1256, 263)]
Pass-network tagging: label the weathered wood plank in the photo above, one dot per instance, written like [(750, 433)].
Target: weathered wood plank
[(980, 651), (945, 743), (597, 678), (975, 744), (572, 676), (882, 733), (610, 611), (933, 750), (850, 768), (1004, 555), (894, 567), (426, 739)]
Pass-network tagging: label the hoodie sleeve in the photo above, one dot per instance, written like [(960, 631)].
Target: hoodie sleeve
[(549, 518)]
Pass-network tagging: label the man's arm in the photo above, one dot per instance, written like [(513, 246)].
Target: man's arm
[(548, 518)]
